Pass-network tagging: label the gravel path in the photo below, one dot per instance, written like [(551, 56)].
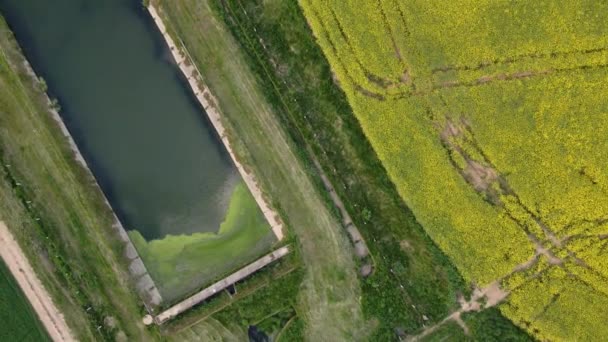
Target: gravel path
[(37, 295)]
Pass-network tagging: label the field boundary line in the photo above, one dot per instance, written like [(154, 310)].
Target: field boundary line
[(28, 281)]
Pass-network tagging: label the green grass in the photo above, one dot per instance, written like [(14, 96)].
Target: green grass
[(485, 326), (59, 218), (448, 332), (263, 299), (490, 326), (19, 321), (292, 331), (180, 264), (278, 299)]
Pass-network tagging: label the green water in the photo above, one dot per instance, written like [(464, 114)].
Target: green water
[(147, 141), (182, 262)]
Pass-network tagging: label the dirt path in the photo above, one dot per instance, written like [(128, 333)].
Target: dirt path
[(492, 295), (208, 102), (37, 295)]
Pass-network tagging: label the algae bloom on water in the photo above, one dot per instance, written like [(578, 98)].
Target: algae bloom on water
[(180, 264)]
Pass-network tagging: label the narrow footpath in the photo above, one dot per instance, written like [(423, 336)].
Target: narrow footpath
[(39, 298)]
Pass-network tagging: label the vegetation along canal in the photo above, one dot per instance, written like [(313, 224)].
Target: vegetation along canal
[(146, 139)]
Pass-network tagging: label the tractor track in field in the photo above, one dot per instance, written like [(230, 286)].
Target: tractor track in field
[(403, 85), (512, 60)]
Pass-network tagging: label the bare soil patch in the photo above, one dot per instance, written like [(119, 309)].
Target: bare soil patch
[(480, 176)]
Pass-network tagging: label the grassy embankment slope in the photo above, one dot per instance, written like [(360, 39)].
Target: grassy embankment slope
[(413, 284), (488, 118), (19, 321), (329, 298), (180, 264), (56, 213)]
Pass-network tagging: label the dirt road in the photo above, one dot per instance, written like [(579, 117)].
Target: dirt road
[(37, 295)]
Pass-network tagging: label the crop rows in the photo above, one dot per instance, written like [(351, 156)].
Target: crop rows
[(377, 64), (492, 139)]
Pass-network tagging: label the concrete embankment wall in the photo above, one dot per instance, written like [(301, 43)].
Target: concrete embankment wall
[(214, 288), (209, 103)]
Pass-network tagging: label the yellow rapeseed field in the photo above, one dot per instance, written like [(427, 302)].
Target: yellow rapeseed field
[(491, 119)]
